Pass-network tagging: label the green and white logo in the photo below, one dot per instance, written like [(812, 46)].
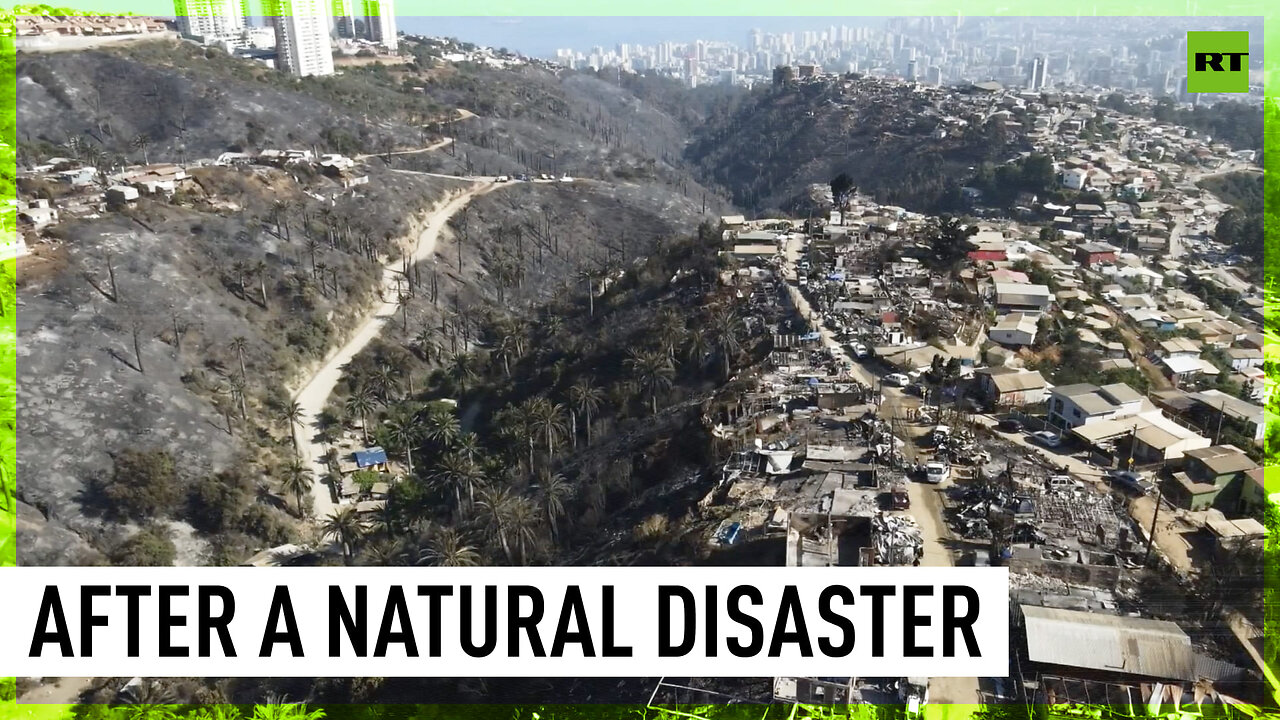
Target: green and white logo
[(1217, 62)]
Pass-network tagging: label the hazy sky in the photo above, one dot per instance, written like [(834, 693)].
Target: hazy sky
[(542, 36)]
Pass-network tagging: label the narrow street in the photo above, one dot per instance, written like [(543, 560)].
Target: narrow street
[(926, 500)]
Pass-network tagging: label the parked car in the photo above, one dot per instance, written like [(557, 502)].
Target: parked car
[(901, 499), (1131, 480), (896, 380), (1063, 482), (1013, 425), (1047, 438), (937, 473)]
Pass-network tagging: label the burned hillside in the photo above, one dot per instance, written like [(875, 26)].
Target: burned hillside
[(173, 325), (905, 145)]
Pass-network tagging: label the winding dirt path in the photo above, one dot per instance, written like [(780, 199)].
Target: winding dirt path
[(316, 391)]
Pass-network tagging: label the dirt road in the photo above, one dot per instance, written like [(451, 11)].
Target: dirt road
[(316, 391)]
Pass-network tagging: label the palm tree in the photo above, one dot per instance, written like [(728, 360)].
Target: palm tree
[(360, 404), (725, 328), (238, 345), (669, 332), (279, 215), (385, 381), (239, 393), (653, 373), (142, 142), (346, 527), (585, 398), (447, 548), (497, 502), (462, 367), (298, 480), (588, 277), (697, 345), (292, 414), (442, 427), (549, 420), (522, 523), (260, 269), (403, 432), (553, 490), (425, 342), (504, 350), (468, 446), (456, 474)]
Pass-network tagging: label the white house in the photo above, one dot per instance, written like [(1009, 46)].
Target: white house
[(1023, 298), (1074, 178), (1074, 405), (1015, 329), (1242, 358)]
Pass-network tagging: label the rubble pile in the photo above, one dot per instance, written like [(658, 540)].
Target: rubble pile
[(1087, 516), (896, 539), (1030, 581)]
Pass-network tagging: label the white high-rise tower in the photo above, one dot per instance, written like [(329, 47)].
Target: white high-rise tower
[(302, 36), (209, 18), (380, 22)]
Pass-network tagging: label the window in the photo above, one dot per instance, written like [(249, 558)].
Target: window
[(1075, 412)]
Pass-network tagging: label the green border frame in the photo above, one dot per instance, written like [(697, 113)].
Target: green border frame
[(551, 8)]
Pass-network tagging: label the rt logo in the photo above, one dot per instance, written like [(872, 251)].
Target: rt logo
[(1216, 62)]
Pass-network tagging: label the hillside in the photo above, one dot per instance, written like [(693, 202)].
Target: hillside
[(769, 146), (167, 336)]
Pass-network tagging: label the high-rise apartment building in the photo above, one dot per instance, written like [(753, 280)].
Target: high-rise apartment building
[(302, 36), (209, 18), (344, 19), (1039, 73), (380, 22)]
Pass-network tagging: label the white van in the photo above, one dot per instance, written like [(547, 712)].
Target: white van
[(1063, 482)]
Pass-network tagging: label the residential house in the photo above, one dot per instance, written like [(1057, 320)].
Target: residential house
[(1211, 408), (1011, 387), (153, 179), (1074, 405), (1015, 329), (1212, 476), (1242, 358), (1095, 253), (1023, 298), (1180, 347), (40, 213), (1253, 494), (1180, 368)]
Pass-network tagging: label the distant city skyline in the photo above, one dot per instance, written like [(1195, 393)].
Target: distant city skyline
[(542, 36)]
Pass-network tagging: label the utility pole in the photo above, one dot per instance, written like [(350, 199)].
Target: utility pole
[(1154, 516), (1222, 410)]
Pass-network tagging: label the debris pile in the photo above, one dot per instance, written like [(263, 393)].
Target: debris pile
[(896, 539)]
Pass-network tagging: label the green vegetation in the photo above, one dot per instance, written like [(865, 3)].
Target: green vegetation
[(1245, 225), (1235, 123), (568, 415), (1000, 185)]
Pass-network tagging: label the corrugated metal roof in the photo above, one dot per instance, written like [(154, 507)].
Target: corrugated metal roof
[(1126, 645)]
